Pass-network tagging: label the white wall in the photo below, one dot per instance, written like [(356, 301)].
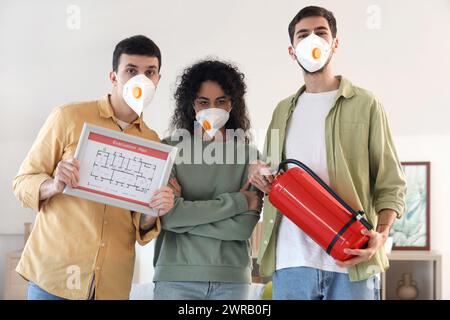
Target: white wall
[(401, 54), (434, 148)]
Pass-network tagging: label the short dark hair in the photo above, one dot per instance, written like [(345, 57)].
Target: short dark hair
[(136, 45), (313, 11)]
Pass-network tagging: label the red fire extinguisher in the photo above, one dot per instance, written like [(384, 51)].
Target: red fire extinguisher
[(313, 206)]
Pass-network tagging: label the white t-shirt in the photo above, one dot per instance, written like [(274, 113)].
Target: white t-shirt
[(305, 141)]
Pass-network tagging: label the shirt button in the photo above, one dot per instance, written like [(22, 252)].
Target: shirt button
[(265, 242), (98, 268), (105, 222), (103, 244), (271, 220)]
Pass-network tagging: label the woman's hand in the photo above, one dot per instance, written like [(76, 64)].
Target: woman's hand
[(176, 187), (254, 198)]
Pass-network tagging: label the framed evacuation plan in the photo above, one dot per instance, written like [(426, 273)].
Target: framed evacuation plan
[(119, 169)]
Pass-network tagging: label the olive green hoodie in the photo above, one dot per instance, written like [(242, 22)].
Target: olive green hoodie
[(205, 237)]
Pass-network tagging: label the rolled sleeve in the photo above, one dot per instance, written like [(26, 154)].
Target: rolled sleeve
[(398, 207), (41, 161), (144, 238), (389, 188), (28, 193)]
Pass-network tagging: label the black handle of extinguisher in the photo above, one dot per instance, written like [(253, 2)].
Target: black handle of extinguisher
[(357, 214)]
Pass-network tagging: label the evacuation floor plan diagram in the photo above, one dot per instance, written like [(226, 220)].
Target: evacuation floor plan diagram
[(115, 172), (123, 171)]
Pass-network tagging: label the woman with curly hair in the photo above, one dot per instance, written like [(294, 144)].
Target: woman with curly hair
[(203, 251)]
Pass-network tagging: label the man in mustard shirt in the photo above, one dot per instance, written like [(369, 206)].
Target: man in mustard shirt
[(341, 132), (80, 249)]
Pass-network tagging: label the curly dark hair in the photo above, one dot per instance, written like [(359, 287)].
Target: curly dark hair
[(229, 78)]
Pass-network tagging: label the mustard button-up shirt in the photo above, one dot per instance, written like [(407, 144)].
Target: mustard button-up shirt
[(77, 246)]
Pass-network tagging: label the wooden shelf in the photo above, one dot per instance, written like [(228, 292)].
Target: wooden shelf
[(414, 255), (426, 266), (15, 286)]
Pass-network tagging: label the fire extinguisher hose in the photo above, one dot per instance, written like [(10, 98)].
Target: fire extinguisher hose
[(356, 215)]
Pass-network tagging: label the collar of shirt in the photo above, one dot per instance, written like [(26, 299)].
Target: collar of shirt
[(106, 111), (345, 90)]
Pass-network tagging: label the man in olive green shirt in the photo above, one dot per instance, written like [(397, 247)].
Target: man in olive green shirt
[(342, 133)]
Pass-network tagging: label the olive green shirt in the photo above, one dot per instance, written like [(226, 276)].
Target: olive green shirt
[(362, 165)]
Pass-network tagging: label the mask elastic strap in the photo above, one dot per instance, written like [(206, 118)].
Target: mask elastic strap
[(117, 77)]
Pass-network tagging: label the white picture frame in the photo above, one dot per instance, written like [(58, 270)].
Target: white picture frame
[(121, 170)]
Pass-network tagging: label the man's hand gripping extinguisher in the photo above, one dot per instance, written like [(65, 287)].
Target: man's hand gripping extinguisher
[(315, 208)]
